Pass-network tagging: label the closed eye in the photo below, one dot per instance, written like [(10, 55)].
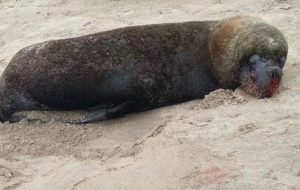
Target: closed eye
[(253, 59)]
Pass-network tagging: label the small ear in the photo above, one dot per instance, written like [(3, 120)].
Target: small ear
[(254, 58)]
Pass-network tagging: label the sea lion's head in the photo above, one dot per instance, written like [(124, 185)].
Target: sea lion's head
[(248, 53), (260, 76)]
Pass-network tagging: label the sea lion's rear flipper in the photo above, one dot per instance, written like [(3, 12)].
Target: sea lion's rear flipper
[(109, 113)]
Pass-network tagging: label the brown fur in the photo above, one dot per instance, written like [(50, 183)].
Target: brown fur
[(147, 66), (235, 38)]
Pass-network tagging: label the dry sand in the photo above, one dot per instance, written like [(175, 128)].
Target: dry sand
[(228, 141)]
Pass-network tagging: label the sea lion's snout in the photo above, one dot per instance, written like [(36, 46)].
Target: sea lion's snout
[(261, 77), (274, 72)]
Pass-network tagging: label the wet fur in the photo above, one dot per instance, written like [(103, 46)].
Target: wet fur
[(149, 66)]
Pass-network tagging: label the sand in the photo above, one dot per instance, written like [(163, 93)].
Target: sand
[(227, 141)]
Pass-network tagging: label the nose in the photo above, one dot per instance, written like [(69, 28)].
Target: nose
[(274, 72)]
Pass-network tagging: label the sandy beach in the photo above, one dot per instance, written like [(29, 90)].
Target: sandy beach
[(227, 141)]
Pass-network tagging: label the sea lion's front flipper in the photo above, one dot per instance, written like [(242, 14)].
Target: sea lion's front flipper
[(109, 113), (17, 117)]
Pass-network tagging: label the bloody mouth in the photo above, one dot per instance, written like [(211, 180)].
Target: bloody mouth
[(270, 89), (273, 86)]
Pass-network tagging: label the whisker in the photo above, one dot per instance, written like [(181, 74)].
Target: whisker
[(267, 83)]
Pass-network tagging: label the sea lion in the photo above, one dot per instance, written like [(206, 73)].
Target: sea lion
[(139, 68)]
